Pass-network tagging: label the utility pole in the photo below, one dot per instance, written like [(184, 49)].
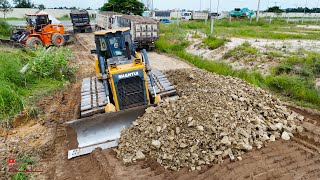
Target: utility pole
[(152, 7), (218, 6), (258, 11), (212, 26), (200, 5), (317, 10), (210, 6), (304, 12)]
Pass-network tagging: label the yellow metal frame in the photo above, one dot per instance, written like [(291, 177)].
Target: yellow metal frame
[(122, 69)]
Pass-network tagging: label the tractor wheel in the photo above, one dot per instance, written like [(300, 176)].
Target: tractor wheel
[(58, 40), (33, 42)]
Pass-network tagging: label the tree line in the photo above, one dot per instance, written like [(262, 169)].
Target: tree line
[(277, 9), (121, 6)]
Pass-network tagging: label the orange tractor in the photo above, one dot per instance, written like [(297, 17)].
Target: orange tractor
[(40, 32)]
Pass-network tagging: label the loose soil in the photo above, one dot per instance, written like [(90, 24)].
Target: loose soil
[(298, 158)]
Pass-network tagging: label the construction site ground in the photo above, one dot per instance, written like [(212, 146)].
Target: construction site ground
[(298, 158)]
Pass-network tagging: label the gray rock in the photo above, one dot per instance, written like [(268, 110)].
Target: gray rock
[(285, 136), (156, 143), (139, 155)]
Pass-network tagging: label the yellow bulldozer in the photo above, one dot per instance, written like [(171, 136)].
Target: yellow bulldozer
[(124, 86)]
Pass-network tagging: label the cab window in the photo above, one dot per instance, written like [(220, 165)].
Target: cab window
[(115, 45)]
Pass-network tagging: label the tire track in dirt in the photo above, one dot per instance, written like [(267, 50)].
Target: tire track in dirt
[(298, 158), (62, 107)]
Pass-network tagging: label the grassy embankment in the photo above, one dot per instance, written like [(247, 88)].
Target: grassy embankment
[(284, 80), (243, 28), (4, 30), (48, 70)]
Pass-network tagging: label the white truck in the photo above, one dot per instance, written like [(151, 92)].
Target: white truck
[(194, 15), (144, 30)]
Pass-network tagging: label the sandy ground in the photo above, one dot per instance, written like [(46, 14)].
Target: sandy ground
[(298, 158), (263, 45), (309, 26), (283, 47)]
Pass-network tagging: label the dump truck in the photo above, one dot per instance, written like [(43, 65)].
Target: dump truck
[(80, 21), (40, 31), (124, 86), (144, 30), (194, 15)]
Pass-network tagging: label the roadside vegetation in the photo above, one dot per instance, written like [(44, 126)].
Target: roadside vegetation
[(47, 71), (4, 29), (243, 51), (288, 79), (214, 42)]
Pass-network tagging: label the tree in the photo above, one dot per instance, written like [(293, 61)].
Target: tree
[(23, 4), (41, 7), (124, 6), (5, 7), (275, 9)]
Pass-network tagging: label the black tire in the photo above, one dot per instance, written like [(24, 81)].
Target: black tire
[(58, 40), (33, 42)]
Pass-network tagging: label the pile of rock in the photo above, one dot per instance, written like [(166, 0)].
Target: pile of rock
[(214, 118)]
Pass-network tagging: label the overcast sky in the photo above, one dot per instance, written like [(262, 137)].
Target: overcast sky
[(188, 4)]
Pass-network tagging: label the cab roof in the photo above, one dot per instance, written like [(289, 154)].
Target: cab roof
[(103, 32), (37, 15)]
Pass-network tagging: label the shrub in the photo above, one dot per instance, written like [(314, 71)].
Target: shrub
[(195, 36), (10, 101), (213, 42), (4, 29), (52, 63), (242, 51), (47, 72)]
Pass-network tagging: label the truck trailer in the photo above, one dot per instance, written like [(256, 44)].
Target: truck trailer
[(81, 21), (194, 15), (144, 30)]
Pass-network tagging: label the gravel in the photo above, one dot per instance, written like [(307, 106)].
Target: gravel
[(216, 117)]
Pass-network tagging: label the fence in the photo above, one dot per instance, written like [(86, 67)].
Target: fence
[(57, 13)]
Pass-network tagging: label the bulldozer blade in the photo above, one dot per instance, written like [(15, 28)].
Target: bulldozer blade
[(99, 131), (10, 43)]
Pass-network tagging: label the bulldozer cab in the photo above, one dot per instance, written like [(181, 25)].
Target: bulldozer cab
[(115, 45), (37, 21)]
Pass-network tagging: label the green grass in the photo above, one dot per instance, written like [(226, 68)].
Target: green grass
[(242, 28), (4, 29), (47, 72), (23, 161), (13, 19), (286, 83), (214, 42), (244, 51), (195, 36), (304, 66)]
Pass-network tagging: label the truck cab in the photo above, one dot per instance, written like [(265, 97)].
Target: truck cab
[(186, 16)]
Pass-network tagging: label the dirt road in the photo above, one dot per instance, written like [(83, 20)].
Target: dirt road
[(158, 61), (298, 158)]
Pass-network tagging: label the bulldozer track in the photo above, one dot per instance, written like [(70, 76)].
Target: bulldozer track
[(298, 158), (93, 98)]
